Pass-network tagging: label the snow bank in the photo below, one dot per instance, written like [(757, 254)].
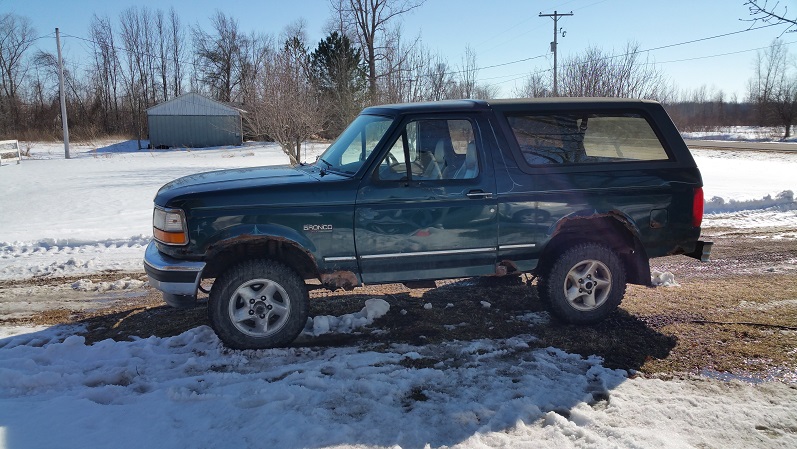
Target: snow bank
[(743, 133), (189, 391), (782, 201), (741, 176)]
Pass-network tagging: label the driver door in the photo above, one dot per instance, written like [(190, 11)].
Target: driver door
[(428, 210)]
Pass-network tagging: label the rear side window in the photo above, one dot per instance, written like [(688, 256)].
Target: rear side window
[(585, 138)]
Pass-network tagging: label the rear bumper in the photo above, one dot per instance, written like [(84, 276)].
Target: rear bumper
[(702, 251), (177, 279)]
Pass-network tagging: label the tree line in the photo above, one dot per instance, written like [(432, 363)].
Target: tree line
[(293, 90), (290, 89)]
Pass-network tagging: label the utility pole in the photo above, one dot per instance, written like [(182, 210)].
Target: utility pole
[(63, 94), (555, 16)]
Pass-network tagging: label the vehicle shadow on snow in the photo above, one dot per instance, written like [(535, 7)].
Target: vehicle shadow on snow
[(442, 366), (492, 308), (471, 309)]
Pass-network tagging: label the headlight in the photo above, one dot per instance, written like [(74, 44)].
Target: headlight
[(169, 226)]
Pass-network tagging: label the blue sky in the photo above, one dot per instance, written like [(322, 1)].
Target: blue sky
[(500, 31)]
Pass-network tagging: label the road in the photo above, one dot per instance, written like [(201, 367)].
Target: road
[(734, 145)]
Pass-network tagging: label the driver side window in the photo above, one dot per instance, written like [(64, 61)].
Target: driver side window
[(432, 150), (394, 166)]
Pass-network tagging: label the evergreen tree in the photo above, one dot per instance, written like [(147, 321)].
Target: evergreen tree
[(338, 74)]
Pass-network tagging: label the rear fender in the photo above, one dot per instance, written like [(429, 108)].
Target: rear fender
[(613, 229)]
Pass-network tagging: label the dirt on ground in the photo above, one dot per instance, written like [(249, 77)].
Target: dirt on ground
[(734, 317)]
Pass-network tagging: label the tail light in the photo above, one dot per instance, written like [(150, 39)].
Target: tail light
[(697, 207)]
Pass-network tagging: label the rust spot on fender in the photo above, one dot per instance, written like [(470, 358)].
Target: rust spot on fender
[(245, 239), (346, 280), (505, 267), (617, 215)]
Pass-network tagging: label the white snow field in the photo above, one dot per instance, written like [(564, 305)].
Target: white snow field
[(93, 213)]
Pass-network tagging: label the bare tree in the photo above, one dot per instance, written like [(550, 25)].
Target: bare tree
[(774, 86), (485, 91), (16, 37), (468, 73), (286, 107), (400, 82), (136, 73), (162, 64), (370, 19), (535, 86), (596, 73), (218, 56), (438, 79), (764, 12), (256, 53), (106, 70), (176, 46)]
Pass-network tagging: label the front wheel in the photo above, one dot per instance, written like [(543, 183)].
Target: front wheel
[(584, 284), (258, 304)]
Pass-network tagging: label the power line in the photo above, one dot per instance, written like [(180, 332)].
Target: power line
[(710, 37), (539, 72), (192, 63), (721, 54), (673, 45)]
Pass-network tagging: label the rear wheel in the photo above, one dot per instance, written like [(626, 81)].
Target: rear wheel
[(584, 284), (258, 304)]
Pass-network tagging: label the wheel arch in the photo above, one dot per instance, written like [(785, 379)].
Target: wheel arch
[(248, 247), (613, 229)]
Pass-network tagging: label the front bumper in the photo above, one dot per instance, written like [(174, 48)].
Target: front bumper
[(177, 279)]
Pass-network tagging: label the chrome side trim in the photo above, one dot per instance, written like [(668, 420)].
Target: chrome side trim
[(519, 246), (340, 259), (428, 253)]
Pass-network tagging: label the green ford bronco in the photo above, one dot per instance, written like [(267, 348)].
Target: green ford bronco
[(579, 192)]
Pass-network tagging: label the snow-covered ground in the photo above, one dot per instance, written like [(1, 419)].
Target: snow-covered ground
[(743, 133), (93, 213)]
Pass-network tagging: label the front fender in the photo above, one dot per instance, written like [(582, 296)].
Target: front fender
[(244, 232)]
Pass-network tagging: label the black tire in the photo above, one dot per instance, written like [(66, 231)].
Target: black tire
[(584, 284), (252, 296)]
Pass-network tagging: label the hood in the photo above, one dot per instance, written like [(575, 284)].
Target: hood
[(222, 179), (249, 186)]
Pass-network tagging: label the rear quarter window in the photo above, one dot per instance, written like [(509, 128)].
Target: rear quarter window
[(566, 139)]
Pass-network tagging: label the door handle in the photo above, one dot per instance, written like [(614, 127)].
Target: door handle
[(479, 194)]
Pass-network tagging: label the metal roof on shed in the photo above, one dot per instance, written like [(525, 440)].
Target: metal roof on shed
[(192, 104)]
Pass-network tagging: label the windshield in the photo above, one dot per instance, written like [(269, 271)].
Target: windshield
[(352, 148)]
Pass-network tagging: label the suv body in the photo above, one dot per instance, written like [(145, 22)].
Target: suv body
[(580, 192)]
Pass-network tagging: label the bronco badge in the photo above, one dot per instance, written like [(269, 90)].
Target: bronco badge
[(318, 228)]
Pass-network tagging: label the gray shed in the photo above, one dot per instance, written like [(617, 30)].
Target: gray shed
[(194, 121)]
